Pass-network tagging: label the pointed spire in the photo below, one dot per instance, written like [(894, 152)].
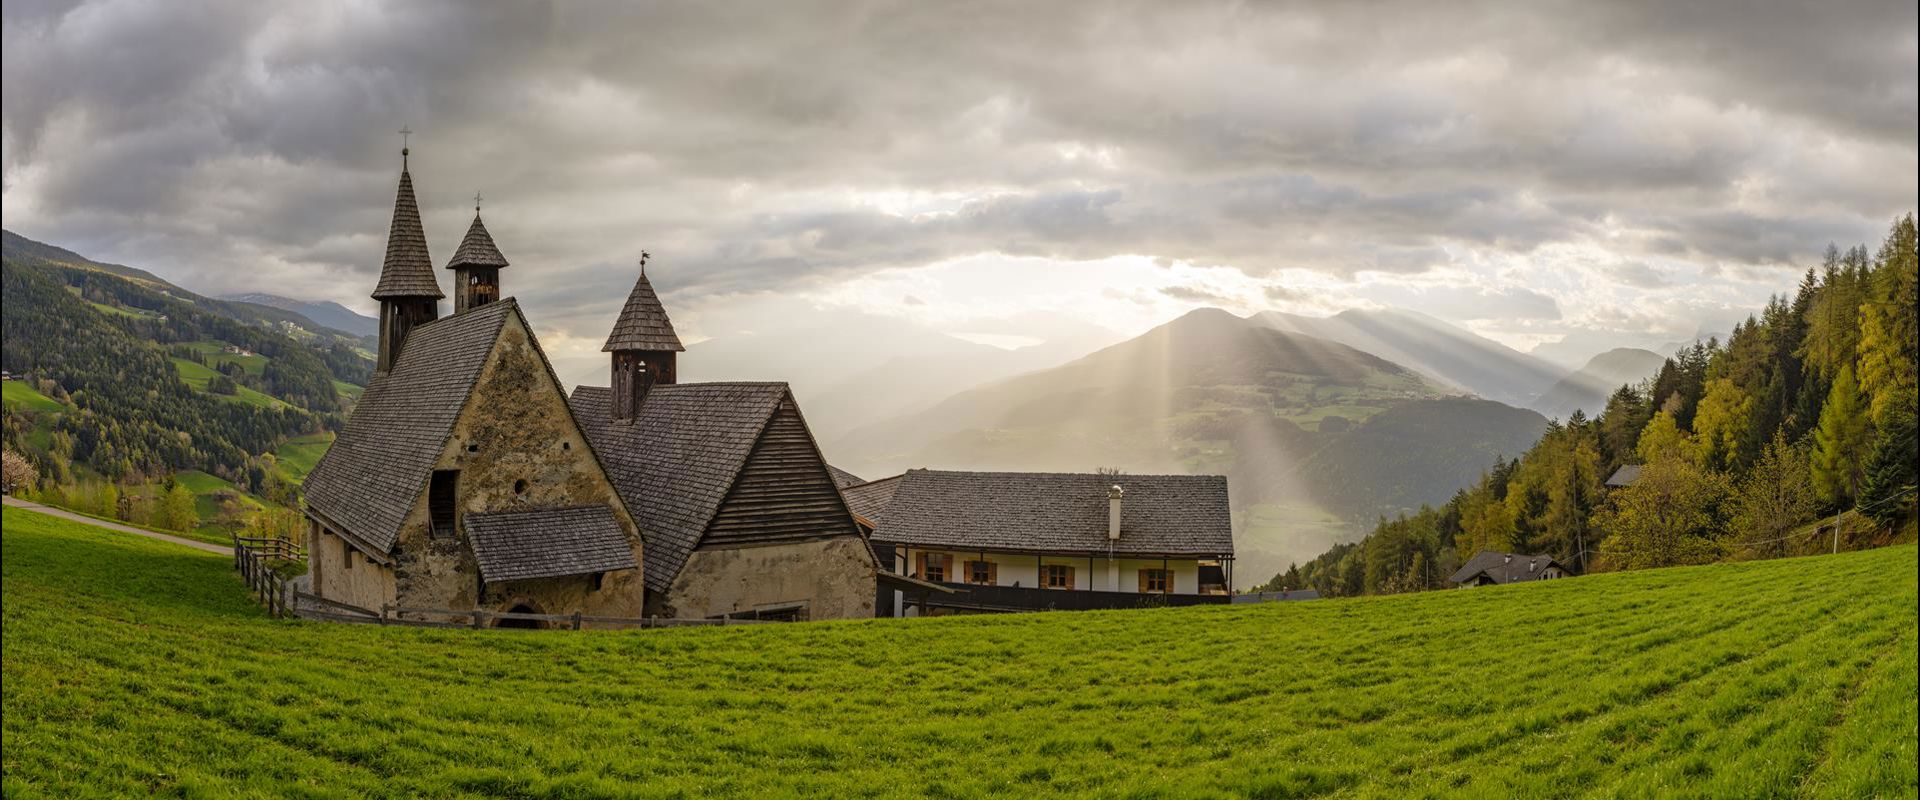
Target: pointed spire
[(408, 270), (477, 249), (643, 323)]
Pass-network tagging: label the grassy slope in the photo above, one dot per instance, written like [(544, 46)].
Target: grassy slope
[(17, 394), (298, 455), (134, 667), (197, 376)]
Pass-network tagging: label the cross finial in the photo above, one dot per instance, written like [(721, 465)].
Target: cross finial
[(644, 255), (404, 133), (476, 204)]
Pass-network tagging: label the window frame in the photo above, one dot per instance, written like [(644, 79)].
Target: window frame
[(981, 572), (1049, 571)]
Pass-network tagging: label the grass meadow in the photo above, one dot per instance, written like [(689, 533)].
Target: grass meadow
[(137, 667)]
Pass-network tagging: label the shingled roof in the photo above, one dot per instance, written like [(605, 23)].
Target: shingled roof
[(548, 543), (842, 478), (643, 323), (867, 500), (1505, 567), (379, 464), (477, 249), (408, 270), (674, 463), (1052, 512)]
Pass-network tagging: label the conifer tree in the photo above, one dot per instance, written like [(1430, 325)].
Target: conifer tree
[(1840, 442)]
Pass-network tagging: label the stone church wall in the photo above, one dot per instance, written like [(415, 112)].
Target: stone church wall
[(834, 576)]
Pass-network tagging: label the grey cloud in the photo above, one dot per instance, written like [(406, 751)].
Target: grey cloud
[(249, 145)]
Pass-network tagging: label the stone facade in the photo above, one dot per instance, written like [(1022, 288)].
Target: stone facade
[(833, 576)]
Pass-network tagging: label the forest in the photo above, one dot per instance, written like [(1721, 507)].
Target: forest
[(1794, 436)]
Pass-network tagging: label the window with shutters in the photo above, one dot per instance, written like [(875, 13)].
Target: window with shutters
[(1056, 576), (985, 573), (1156, 581), (933, 566), (441, 495)]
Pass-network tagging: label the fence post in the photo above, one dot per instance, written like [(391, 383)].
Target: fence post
[(383, 612), (576, 620), (478, 615)]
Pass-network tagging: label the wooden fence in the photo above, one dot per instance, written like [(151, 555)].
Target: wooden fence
[(308, 606), (250, 557)]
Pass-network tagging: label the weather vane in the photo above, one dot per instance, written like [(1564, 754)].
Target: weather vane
[(644, 255)]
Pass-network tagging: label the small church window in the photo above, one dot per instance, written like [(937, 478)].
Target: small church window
[(441, 500)]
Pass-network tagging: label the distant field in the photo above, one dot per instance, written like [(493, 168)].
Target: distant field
[(197, 376), (348, 390), (136, 667), (18, 395), (206, 490), (298, 455), (209, 350)]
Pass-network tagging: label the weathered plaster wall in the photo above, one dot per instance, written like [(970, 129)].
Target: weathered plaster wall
[(516, 428), (365, 583), (835, 577)]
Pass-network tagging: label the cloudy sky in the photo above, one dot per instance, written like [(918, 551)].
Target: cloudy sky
[(1576, 173)]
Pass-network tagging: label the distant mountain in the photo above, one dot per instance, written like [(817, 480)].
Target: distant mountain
[(1588, 388), (1317, 438), (854, 368), (325, 312), (1455, 356)]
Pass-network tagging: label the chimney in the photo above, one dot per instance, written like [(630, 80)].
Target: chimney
[(1113, 513), (1506, 559)]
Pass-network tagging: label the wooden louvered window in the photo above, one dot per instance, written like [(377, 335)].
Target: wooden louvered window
[(984, 573), (442, 495), (1056, 576), (1156, 581)]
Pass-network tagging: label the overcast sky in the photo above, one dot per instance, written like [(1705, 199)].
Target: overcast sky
[(1598, 172)]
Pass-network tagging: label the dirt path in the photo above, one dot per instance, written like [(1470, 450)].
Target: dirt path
[(114, 526)]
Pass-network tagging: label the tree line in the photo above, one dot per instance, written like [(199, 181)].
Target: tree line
[(1806, 412)]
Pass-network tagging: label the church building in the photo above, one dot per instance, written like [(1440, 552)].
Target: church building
[(467, 479)]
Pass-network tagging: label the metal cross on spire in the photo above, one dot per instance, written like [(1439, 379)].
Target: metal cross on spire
[(644, 255), (404, 133), (476, 203)]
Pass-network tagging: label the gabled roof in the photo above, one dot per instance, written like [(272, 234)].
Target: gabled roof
[(674, 463), (842, 478), (867, 500), (643, 323), (408, 269), (1505, 567), (477, 249), (1055, 512), (548, 543), (1624, 476), (379, 464)]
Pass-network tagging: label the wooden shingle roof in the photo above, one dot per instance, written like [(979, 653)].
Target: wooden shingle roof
[(675, 462), (1505, 567), (408, 269), (643, 323), (1053, 512), (867, 500), (548, 543), (844, 479), (379, 464), (477, 248)]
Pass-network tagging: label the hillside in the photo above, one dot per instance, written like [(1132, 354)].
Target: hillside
[(327, 313), (1456, 357), (1588, 387), (145, 379), (138, 667)]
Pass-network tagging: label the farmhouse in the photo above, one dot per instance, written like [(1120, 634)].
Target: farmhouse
[(1010, 541), (468, 479), (1625, 476), (1490, 568)]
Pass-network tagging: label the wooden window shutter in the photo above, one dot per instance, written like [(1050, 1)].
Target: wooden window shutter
[(1143, 581), (1070, 583), (993, 573), (920, 565)]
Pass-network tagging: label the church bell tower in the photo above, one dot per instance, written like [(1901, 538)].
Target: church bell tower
[(644, 348), (476, 267), (408, 294)]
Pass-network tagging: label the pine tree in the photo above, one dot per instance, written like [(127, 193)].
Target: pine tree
[(1840, 442), (1888, 496)]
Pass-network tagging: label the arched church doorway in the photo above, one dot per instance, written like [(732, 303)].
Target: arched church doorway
[(523, 608)]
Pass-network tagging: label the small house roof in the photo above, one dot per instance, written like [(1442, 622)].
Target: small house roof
[(408, 269), (1626, 475), (643, 323), (548, 543), (1504, 567), (1048, 512), (675, 462), (842, 478), (477, 249), (867, 500), (379, 464)]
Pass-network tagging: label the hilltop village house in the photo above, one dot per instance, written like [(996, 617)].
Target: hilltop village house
[(1010, 541), (467, 479), (1489, 568)]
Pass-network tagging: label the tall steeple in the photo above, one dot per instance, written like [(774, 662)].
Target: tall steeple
[(407, 291), (643, 345), (476, 267)]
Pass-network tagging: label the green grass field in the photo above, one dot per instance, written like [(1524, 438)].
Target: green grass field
[(210, 351), (137, 667), (197, 376), (18, 395), (298, 455)]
